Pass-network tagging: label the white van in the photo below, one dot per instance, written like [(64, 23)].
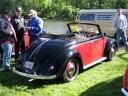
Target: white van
[(103, 17)]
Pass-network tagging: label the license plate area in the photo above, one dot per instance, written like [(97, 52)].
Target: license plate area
[(29, 65)]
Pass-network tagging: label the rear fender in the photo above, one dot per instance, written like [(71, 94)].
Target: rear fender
[(63, 58), (57, 63), (108, 45)]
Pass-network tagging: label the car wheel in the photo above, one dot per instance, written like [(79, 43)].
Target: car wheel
[(112, 52), (71, 71)]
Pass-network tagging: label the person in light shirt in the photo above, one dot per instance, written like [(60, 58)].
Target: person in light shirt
[(120, 23)]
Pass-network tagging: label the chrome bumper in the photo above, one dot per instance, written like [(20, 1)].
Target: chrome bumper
[(34, 76), (124, 92)]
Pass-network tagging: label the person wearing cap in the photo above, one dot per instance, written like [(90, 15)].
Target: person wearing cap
[(9, 37), (34, 26), (18, 23), (120, 23)]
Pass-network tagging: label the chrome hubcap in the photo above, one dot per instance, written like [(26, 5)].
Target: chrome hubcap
[(112, 51), (71, 69)]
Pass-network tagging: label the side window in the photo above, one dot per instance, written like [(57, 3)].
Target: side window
[(87, 17), (104, 17)]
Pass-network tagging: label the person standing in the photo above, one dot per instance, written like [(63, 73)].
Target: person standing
[(18, 23), (120, 23), (8, 38), (34, 26)]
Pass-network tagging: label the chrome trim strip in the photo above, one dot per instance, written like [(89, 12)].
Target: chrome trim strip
[(124, 91), (94, 63), (89, 41), (34, 76)]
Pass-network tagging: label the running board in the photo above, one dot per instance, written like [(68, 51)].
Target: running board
[(94, 63)]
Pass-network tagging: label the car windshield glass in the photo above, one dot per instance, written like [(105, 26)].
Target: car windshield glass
[(84, 29)]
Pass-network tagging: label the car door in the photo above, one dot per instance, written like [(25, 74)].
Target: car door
[(92, 48), (97, 47), (84, 51)]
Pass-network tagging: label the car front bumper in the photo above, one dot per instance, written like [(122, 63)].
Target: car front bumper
[(124, 91), (34, 76)]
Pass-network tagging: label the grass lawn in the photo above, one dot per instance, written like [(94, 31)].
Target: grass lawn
[(104, 79)]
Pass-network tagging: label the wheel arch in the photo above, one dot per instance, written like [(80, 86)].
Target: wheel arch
[(78, 57), (68, 55), (108, 45)]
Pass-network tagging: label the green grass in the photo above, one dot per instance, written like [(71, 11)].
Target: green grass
[(104, 79)]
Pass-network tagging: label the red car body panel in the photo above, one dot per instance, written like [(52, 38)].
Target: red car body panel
[(27, 40), (92, 50), (83, 49), (125, 82), (97, 48)]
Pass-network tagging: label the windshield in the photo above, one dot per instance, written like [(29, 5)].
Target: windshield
[(83, 28)]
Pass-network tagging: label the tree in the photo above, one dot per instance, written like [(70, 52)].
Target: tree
[(60, 8)]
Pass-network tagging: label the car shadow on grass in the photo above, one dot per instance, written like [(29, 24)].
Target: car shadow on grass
[(106, 88), (122, 56), (10, 80)]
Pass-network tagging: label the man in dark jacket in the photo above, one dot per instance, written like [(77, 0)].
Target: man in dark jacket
[(8, 38), (18, 23)]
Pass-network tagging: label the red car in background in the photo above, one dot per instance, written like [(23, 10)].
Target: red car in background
[(26, 36), (26, 40), (124, 90)]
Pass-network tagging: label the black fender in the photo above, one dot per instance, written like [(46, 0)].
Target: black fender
[(108, 45), (63, 58)]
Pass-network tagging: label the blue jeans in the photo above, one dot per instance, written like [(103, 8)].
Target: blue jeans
[(121, 34), (7, 52)]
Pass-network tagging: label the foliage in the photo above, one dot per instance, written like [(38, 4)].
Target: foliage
[(59, 9)]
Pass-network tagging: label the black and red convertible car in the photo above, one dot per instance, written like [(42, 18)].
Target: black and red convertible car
[(63, 56)]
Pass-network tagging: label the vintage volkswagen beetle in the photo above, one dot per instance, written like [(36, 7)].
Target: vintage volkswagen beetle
[(63, 56)]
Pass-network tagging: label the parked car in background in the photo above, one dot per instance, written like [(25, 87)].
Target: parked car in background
[(64, 55), (26, 42)]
